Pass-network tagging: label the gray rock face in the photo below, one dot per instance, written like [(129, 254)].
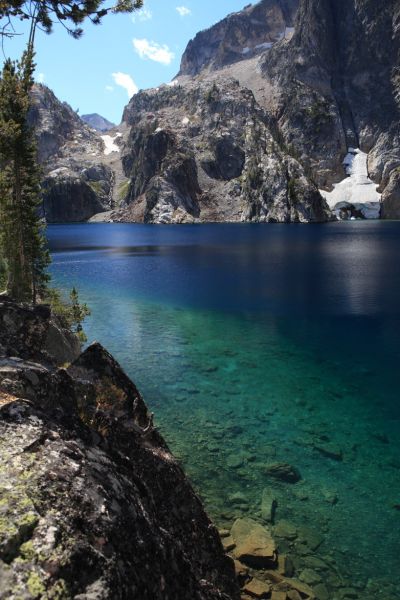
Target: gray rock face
[(240, 35), (336, 85), (206, 151), (70, 196), (78, 182), (93, 505), (34, 333)]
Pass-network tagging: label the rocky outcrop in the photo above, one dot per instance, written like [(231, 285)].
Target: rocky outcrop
[(206, 151), (78, 176), (33, 333), (240, 35), (93, 504), (97, 122), (335, 86), (73, 197)]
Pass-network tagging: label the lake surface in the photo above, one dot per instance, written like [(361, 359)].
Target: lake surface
[(257, 344)]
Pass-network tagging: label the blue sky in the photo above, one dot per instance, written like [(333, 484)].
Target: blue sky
[(99, 72)]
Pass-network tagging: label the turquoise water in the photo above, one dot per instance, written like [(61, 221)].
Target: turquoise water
[(256, 344)]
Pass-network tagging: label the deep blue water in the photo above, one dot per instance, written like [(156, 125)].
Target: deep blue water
[(260, 343)]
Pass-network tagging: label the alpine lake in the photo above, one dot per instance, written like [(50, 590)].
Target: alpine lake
[(260, 344)]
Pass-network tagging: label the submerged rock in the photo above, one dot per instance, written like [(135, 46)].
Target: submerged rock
[(254, 544), (93, 504), (268, 506), (257, 588), (329, 451), (283, 472)]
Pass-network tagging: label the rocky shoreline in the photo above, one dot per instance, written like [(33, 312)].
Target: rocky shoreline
[(94, 505)]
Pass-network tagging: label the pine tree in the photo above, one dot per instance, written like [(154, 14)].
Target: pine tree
[(22, 240), (22, 243), (78, 314), (70, 13)]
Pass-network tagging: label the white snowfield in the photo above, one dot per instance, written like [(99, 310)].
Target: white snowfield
[(357, 189), (286, 34), (109, 143)]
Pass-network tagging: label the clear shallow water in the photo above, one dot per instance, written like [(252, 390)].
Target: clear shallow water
[(261, 343)]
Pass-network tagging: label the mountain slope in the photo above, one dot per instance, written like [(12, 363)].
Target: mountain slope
[(239, 35), (336, 86), (97, 122), (206, 152), (204, 149), (80, 173)]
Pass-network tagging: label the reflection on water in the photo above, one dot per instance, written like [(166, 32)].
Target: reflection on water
[(257, 344)]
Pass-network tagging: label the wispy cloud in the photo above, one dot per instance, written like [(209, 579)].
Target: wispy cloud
[(40, 78), (126, 81), (142, 15), (109, 88), (184, 11), (159, 53)]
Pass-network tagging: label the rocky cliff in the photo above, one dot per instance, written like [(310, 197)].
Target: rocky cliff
[(335, 86), (93, 504), (206, 151), (240, 35), (80, 177)]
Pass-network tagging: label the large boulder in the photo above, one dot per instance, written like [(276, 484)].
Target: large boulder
[(34, 333), (254, 544)]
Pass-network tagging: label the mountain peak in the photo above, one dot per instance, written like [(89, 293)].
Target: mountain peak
[(97, 122), (240, 35)]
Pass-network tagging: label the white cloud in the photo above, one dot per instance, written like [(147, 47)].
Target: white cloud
[(142, 15), (109, 88), (183, 11), (126, 82), (40, 78), (153, 51)]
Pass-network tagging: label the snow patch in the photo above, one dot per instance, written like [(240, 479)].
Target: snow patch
[(285, 34), (172, 83), (357, 190), (109, 145), (289, 31), (266, 45), (185, 121)]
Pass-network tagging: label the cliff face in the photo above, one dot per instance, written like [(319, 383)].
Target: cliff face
[(240, 35), (79, 173), (93, 504), (206, 152), (203, 149), (336, 85)]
